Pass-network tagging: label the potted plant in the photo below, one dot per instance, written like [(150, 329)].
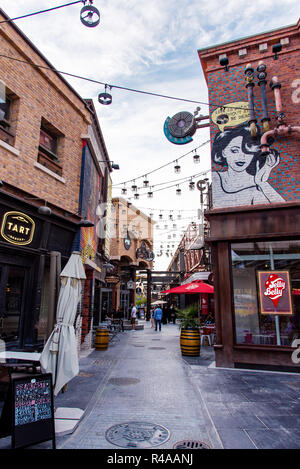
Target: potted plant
[(190, 332)]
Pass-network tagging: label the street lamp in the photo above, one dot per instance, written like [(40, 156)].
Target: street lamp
[(113, 165)]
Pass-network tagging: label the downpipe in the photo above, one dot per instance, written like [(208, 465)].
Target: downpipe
[(249, 77), (261, 75)]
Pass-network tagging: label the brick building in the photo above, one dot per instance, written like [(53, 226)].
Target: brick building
[(131, 249), (46, 134), (254, 219)]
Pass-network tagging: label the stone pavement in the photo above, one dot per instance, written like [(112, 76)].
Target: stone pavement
[(143, 378)]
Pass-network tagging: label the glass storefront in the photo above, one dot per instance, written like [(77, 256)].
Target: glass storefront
[(12, 281), (253, 323)]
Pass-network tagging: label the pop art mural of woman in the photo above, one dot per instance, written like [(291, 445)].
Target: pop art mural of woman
[(245, 180)]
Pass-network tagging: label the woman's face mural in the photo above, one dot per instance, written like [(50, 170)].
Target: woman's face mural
[(236, 158)]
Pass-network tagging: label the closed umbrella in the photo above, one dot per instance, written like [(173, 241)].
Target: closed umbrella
[(59, 355)]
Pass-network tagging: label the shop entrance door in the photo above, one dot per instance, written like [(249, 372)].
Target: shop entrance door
[(106, 303), (124, 302), (13, 280)]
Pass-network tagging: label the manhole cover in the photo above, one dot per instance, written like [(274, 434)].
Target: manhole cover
[(191, 444), (157, 348), (122, 381), (137, 435)]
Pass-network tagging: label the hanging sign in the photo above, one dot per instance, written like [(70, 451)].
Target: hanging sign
[(17, 228), (231, 115), (275, 292)]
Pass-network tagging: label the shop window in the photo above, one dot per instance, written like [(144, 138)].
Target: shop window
[(8, 114), (253, 265), (50, 145)]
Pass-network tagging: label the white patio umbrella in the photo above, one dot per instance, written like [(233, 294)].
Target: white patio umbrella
[(161, 302), (59, 355)]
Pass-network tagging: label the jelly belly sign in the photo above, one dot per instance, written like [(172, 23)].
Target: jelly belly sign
[(275, 292)]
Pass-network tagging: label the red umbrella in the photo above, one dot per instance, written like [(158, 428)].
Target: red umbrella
[(197, 286)]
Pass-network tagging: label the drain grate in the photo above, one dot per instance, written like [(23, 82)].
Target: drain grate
[(191, 444), (157, 348), (123, 381), (137, 435)]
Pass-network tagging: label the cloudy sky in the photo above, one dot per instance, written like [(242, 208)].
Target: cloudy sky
[(148, 46)]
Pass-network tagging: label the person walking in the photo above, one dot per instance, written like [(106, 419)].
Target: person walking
[(152, 317), (158, 317), (133, 316)]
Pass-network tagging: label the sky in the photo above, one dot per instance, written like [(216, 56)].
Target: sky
[(148, 46)]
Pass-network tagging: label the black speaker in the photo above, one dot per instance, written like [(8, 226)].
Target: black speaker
[(181, 125)]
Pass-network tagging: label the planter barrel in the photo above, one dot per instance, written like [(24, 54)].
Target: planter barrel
[(101, 339), (190, 342)]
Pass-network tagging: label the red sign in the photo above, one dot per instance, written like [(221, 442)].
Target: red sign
[(275, 292), (204, 303)]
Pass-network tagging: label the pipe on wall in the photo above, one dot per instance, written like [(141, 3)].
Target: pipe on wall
[(282, 129), (249, 77)]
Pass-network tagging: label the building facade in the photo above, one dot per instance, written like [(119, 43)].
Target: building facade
[(131, 249), (254, 89), (46, 160)]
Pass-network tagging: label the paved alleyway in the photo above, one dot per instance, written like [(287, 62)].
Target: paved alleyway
[(143, 378), (147, 382)]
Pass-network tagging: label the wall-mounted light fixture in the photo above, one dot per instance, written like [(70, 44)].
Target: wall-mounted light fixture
[(224, 62), (43, 209), (276, 48), (85, 223), (113, 165)]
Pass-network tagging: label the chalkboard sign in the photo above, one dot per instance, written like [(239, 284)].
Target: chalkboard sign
[(33, 410)]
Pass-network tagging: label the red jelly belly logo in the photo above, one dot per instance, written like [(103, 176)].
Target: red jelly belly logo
[(274, 288)]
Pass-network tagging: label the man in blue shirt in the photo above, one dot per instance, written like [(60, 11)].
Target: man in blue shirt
[(157, 317)]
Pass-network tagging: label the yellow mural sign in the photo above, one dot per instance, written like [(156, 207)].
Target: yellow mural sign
[(231, 115)]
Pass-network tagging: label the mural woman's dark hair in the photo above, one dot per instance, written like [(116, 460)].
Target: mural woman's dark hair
[(250, 145)]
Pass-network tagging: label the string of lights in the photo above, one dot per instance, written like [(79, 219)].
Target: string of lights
[(98, 82), (178, 191), (146, 174), (180, 180), (40, 11)]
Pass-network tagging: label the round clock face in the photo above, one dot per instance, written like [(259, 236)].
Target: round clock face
[(127, 243)]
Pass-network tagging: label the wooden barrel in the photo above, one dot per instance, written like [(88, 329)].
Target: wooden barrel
[(190, 342), (101, 339)]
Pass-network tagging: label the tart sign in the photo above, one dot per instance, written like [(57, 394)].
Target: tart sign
[(17, 228)]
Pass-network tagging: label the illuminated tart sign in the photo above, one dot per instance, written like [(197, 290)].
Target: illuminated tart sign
[(17, 228)]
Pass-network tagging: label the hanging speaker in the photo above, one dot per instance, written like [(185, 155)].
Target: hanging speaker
[(180, 128)]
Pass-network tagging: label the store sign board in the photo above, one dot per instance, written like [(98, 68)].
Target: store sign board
[(17, 228), (275, 292)]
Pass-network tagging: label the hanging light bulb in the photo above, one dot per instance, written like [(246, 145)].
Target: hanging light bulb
[(160, 216), (179, 216), (177, 168), (134, 187), (150, 195), (136, 196), (171, 216), (145, 182), (124, 190), (89, 15), (192, 186), (178, 191), (196, 158)]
